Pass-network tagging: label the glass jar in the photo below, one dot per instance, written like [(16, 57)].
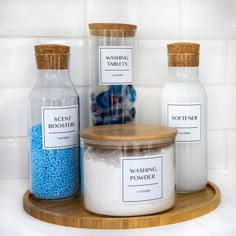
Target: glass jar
[(129, 169), (53, 126), (112, 73), (184, 106)]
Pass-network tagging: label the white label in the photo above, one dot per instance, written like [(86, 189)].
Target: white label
[(115, 65), (187, 119), (60, 127), (142, 179)]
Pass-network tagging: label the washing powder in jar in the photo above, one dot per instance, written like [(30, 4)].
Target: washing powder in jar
[(184, 106), (129, 170)]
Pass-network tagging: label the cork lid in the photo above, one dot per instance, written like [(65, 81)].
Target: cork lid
[(184, 54), (128, 132), (52, 56), (112, 29)]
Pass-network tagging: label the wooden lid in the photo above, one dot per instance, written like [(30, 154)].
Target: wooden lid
[(128, 132), (183, 54), (52, 56), (112, 29)]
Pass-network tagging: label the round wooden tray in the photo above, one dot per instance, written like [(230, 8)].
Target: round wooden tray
[(71, 213)]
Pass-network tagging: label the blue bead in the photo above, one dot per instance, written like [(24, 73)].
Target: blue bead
[(54, 173), (115, 90), (114, 106), (103, 100), (96, 109), (132, 113), (131, 93)]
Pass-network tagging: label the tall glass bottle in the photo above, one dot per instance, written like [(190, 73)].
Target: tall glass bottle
[(112, 73), (184, 106), (53, 126)]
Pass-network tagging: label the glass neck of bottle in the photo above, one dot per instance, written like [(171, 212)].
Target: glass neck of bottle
[(53, 74), (183, 74)]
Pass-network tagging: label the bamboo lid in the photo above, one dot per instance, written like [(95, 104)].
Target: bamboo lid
[(128, 132), (52, 56), (112, 29), (184, 54)]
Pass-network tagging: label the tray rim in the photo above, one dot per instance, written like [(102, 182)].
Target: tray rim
[(152, 220)]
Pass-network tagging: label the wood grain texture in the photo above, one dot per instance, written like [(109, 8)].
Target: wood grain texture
[(128, 132), (71, 213), (112, 29)]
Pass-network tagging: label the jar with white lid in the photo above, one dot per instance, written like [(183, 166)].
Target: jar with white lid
[(184, 106), (129, 170), (112, 49)]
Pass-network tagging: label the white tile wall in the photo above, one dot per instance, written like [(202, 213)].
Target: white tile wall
[(157, 18), (13, 116), (231, 62), (148, 105), (221, 107), (212, 23), (14, 158), (109, 11), (231, 148), (152, 62), (217, 149), (44, 18), (208, 18), (17, 62), (213, 59)]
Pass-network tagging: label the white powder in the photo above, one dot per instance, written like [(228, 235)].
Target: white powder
[(191, 157), (103, 182)]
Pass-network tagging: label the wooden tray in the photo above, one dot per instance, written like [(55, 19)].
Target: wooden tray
[(71, 213)]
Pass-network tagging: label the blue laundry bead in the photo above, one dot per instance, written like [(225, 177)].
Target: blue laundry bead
[(54, 173), (115, 90), (114, 106), (132, 113), (96, 109), (103, 99), (131, 93)]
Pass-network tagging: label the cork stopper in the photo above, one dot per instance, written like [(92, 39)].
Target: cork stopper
[(112, 29), (52, 56), (183, 54)]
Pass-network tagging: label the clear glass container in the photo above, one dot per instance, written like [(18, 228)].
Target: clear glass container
[(129, 169), (184, 106), (53, 127), (112, 73)]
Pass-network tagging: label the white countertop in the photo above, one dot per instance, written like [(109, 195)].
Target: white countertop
[(221, 221)]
